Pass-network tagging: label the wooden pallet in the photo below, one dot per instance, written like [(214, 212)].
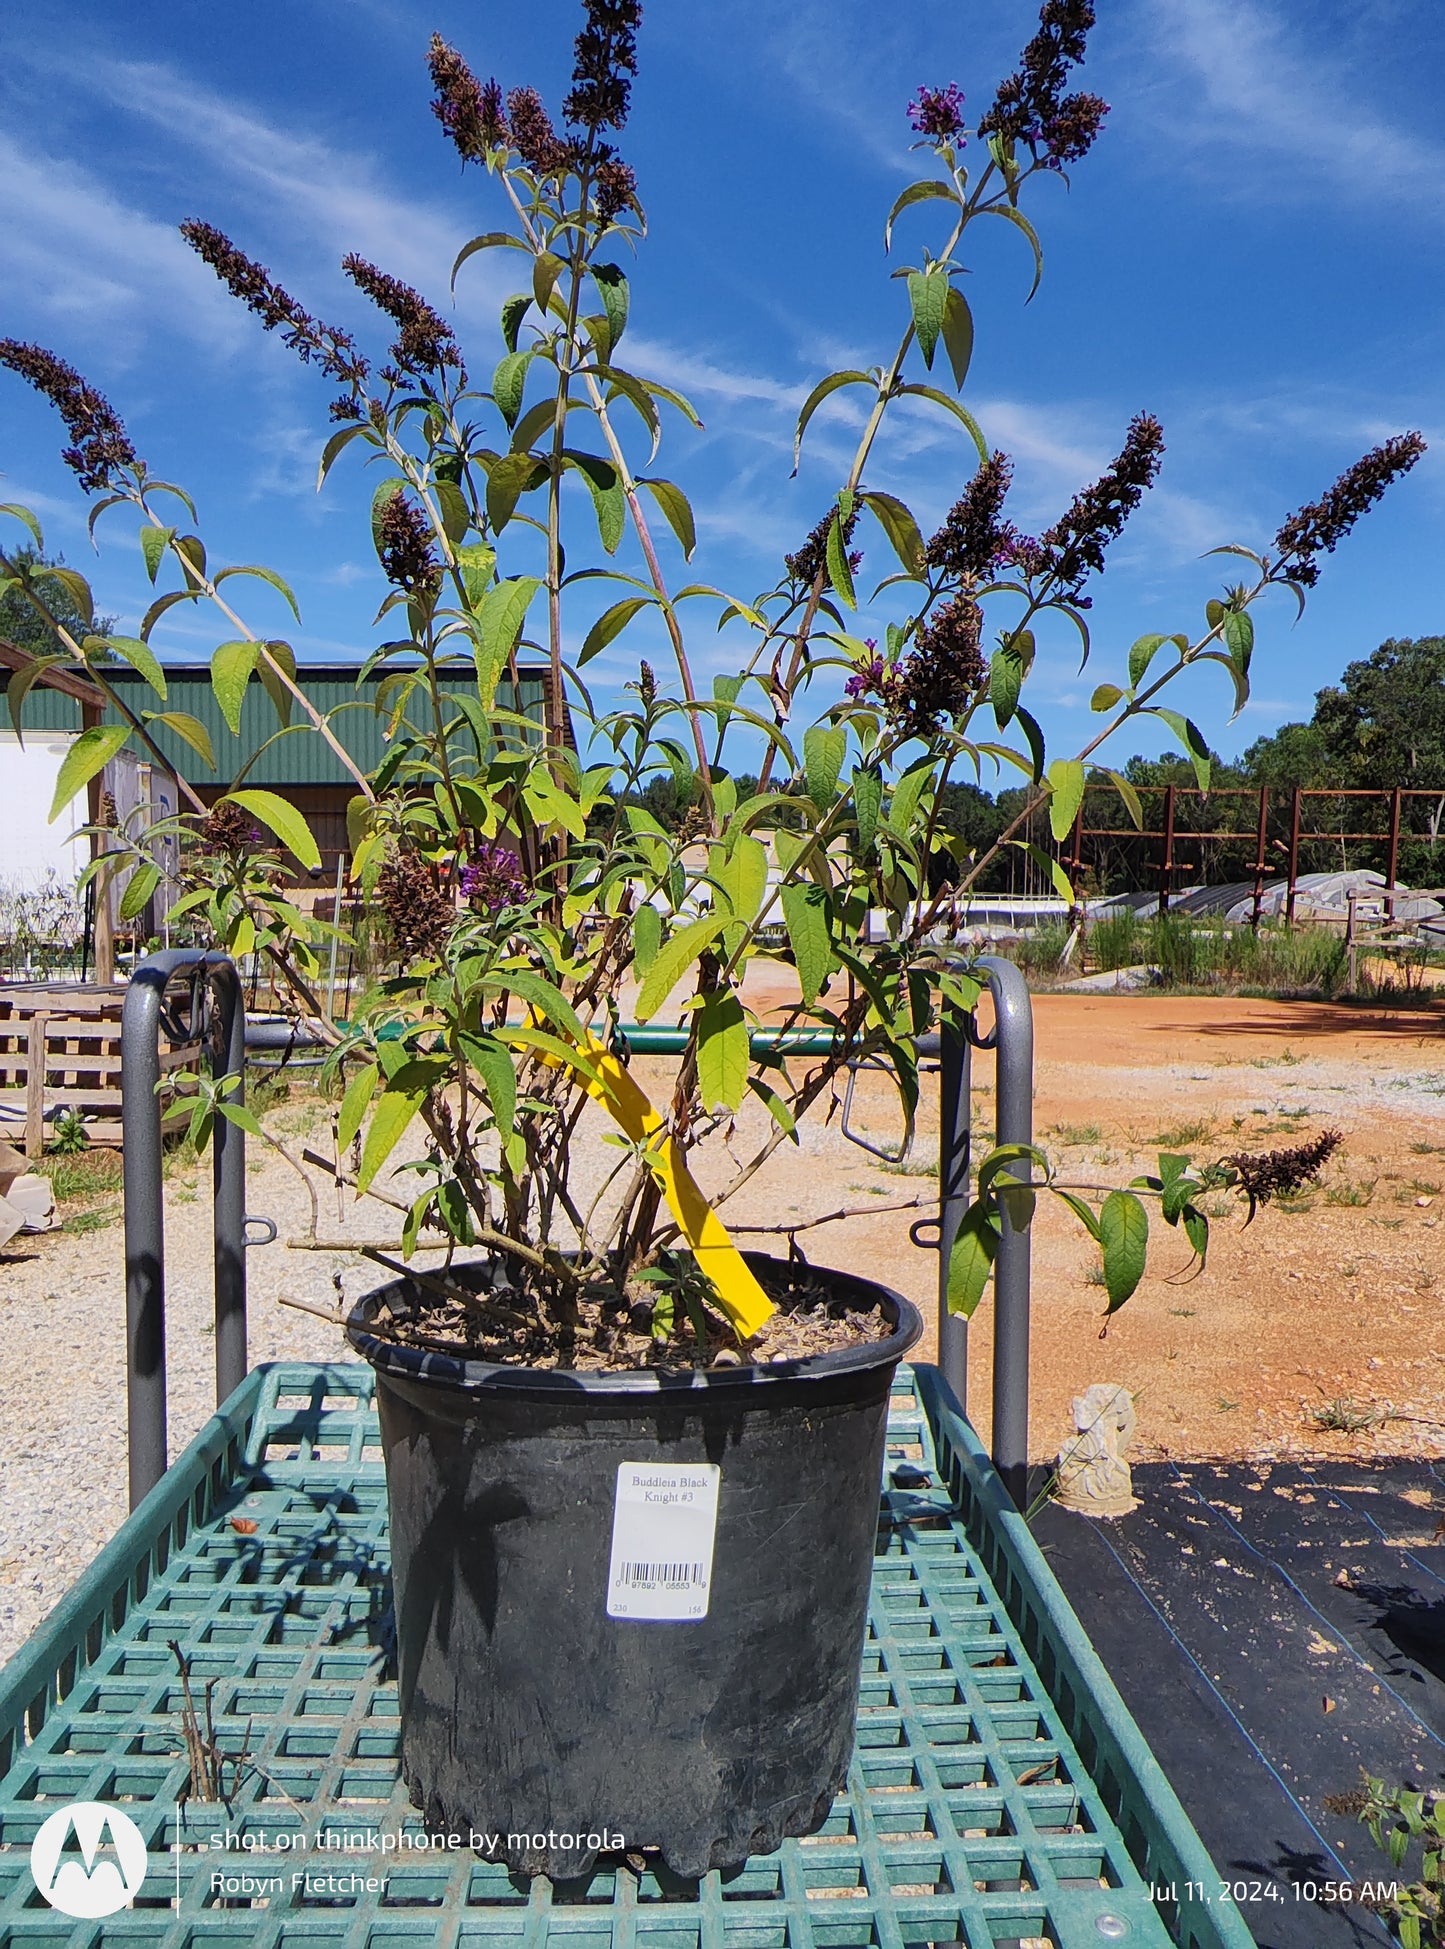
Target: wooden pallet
[(60, 1048)]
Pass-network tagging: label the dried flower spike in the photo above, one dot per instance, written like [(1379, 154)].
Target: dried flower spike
[(404, 545), (973, 539), (1074, 547), (333, 350), (425, 343), (469, 110), (606, 51), (100, 447), (1323, 524)]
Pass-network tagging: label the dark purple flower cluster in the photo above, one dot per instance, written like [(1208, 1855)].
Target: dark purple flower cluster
[(938, 679), (228, 830), (492, 878), (469, 110), (1031, 105), (404, 545), (100, 447), (533, 137), (973, 539), (606, 55), (811, 559), (938, 113), (616, 188), (1324, 523), (1074, 547), (334, 351), (1266, 1174), (418, 913), (425, 342)]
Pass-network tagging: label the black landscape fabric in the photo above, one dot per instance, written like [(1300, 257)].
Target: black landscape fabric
[(1274, 1627)]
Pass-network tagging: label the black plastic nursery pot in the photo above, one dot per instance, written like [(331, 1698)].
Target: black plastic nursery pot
[(630, 1607)]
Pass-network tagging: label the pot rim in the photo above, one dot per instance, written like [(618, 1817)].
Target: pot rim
[(425, 1364)]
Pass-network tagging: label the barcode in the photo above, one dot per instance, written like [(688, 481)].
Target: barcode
[(671, 1576)]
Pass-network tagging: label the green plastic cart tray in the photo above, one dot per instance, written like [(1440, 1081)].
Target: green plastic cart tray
[(1000, 1795)]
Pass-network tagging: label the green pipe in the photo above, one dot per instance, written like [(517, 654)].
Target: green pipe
[(649, 1039)]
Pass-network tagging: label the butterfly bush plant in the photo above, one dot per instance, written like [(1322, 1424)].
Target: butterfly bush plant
[(523, 891)]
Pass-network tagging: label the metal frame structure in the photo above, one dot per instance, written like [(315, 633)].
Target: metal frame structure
[(214, 1008), (1011, 1038)]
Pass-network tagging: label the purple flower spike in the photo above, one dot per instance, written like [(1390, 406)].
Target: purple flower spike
[(493, 877), (938, 112)]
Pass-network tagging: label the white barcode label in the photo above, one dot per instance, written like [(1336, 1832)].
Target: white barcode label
[(663, 1522)]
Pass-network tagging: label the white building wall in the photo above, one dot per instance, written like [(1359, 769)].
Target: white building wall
[(30, 846)]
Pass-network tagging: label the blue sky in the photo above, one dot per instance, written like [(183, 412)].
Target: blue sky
[(1252, 252)]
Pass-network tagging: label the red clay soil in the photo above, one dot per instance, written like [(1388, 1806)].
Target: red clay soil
[(1331, 1307)]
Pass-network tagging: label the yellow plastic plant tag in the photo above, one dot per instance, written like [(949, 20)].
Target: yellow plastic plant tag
[(739, 1294)]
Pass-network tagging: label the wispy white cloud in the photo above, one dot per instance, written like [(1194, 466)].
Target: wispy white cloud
[(1250, 77)]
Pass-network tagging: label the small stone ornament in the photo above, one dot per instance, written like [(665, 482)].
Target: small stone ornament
[(1094, 1477)]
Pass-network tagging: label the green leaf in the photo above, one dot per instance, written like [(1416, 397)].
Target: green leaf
[(1085, 1214), (1017, 217), (646, 937), (1192, 739), (403, 1096), (161, 604), (547, 267), (867, 806), (330, 453), (612, 289), (1142, 655), (278, 656), (1239, 639), (1005, 682), (90, 753), (476, 560), (805, 912), (1214, 612), (782, 1116), (508, 383), (928, 295), (355, 1104), (231, 667), (743, 876), (957, 334), (153, 544), (493, 1064), (916, 193), (816, 397), (608, 498), (76, 587), (283, 819), (610, 624), (1034, 738), (1130, 797), (677, 511), (492, 239), (141, 657), (971, 1260), (824, 749), (541, 996), (456, 515), (722, 1050), (514, 310), (958, 410), (141, 885), (262, 574), (1105, 697), (514, 475), (897, 522), (839, 573), (673, 958), (192, 551), (1124, 1243), (500, 618), (1066, 795), (189, 730), (20, 685), (1046, 863), (24, 514), (906, 794)]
